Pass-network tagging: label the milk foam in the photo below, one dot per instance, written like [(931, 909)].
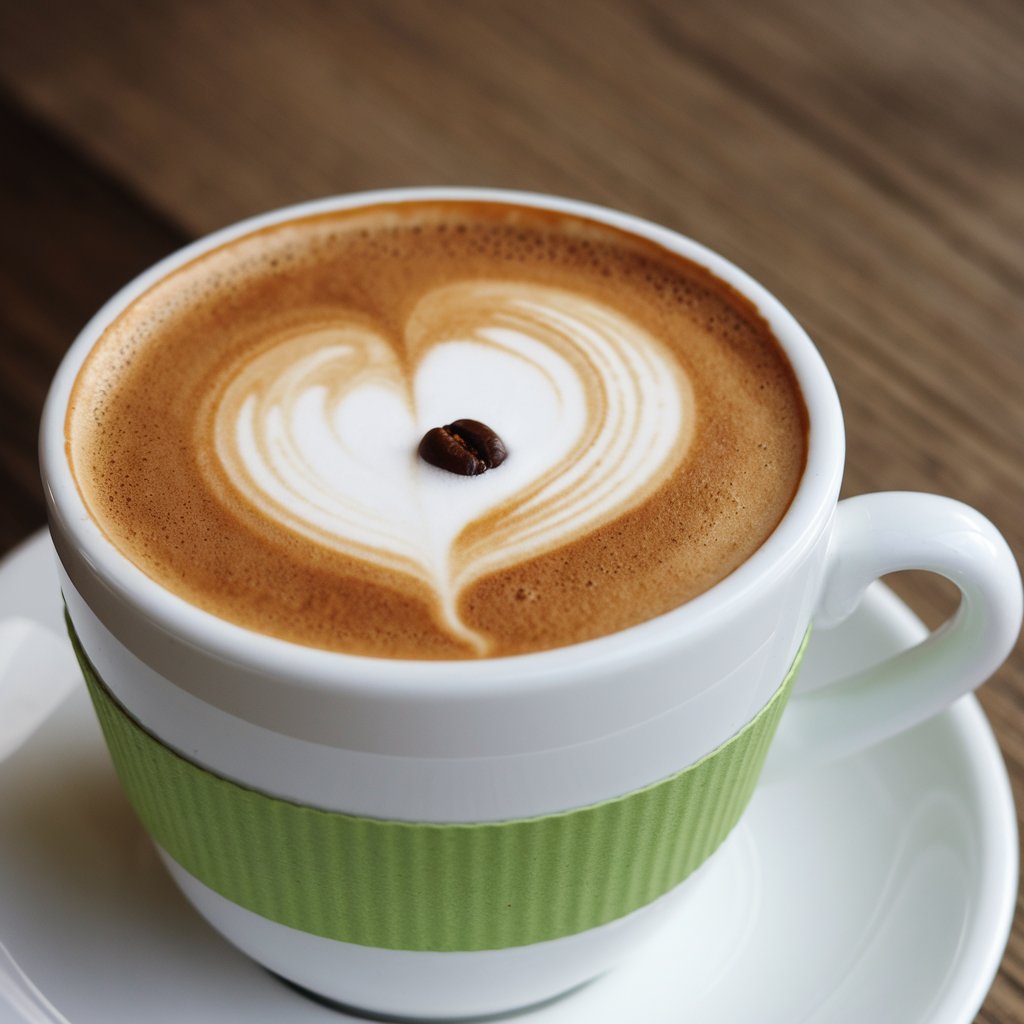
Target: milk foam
[(246, 430), (319, 430)]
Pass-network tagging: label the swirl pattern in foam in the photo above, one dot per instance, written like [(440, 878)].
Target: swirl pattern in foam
[(246, 431), (319, 430)]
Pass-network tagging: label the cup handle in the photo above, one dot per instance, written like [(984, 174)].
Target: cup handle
[(875, 534)]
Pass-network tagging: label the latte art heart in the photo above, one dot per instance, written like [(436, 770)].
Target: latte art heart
[(319, 430)]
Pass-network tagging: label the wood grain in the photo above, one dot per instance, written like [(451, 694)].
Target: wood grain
[(71, 237), (865, 161)]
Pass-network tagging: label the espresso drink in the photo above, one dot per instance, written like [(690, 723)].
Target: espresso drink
[(248, 432)]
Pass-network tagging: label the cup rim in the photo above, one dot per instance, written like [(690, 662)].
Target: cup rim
[(790, 542)]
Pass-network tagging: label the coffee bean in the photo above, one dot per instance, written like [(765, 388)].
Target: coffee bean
[(465, 447)]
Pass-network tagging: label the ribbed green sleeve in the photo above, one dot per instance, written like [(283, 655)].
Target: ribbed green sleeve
[(419, 886)]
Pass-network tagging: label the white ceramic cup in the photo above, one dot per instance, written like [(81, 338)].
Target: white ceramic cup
[(536, 734)]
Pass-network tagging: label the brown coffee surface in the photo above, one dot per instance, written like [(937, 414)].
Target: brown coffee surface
[(156, 431)]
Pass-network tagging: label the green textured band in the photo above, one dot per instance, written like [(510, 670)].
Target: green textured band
[(419, 886)]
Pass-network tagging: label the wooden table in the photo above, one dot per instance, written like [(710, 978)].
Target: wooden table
[(865, 161)]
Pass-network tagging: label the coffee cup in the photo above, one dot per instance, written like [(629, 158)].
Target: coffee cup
[(462, 836)]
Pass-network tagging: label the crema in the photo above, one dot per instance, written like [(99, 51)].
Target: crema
[(246, 431)]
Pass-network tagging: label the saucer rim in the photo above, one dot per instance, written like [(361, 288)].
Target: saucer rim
[(966, 991)]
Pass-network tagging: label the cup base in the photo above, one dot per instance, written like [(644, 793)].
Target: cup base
[(409, 985), (356, 1011)]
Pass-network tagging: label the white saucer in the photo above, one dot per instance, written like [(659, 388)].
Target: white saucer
[(881, 889)]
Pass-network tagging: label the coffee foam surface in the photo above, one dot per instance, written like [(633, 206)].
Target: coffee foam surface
[(246, 432)]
